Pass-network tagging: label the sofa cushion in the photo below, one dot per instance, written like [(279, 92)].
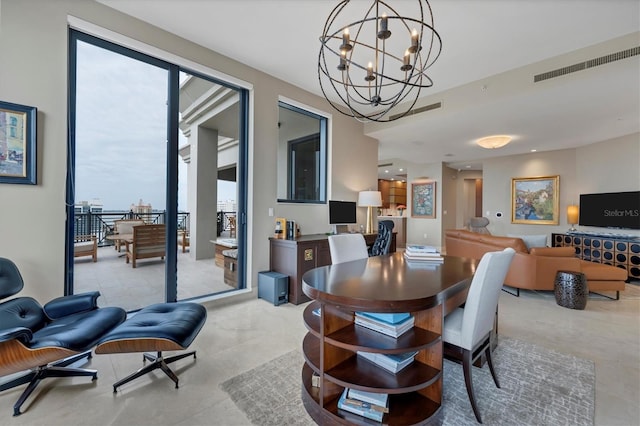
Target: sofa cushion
[(515, 243), (553, 251), (599, 271), (532, 240)]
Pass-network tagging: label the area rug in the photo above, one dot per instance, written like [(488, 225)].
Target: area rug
[(538, 387)]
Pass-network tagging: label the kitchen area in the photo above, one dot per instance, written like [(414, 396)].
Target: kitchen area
[(394, 207)]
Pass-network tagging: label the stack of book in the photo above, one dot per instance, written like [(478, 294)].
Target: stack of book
[(391, 363), (393, 325), (416, 255), (366, 404)]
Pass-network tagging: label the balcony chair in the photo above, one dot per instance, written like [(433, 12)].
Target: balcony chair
[(85, 245), (148, 241), (125, 227), (46, 340), (383, 240), (468, 330), (347, 247), (183, 239)]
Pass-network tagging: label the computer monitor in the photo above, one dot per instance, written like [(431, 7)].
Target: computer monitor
[(341, 214)]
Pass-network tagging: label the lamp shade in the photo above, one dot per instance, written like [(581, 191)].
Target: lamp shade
[(369, 198), (573, 214)]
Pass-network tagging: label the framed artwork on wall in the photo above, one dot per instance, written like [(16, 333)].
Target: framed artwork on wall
[(423, 200), (534, 201), (17, 143)]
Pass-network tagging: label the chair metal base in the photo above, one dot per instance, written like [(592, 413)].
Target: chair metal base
[(55, 369), (157, 361)]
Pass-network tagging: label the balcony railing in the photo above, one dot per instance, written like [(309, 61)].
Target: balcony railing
[(102, 224)]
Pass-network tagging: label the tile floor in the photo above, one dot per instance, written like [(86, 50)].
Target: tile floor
[(241, 335)]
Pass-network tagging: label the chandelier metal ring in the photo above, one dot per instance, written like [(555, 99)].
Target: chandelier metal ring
[(397, 63)]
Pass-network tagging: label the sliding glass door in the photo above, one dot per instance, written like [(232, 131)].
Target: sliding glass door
[(151, 144)]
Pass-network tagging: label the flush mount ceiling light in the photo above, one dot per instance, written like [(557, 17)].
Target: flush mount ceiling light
[(493, 142), (379, 61)]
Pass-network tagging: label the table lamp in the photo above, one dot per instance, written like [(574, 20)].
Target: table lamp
[(369, 199), (573, 213)]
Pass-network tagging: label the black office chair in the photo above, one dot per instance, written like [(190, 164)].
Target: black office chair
[(383, 240), (46, 340)]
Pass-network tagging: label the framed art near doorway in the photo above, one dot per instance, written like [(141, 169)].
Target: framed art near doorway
[(423, 200), (17, 143)]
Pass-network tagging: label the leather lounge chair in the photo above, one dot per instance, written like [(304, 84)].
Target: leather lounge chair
[(45, 341)]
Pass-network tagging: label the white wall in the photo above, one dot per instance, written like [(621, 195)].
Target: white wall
[(608, 166), (33, 36)]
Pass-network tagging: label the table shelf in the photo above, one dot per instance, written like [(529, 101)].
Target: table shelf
[(382, 284)]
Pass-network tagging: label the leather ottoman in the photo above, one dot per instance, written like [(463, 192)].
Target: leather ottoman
[(156, 328)]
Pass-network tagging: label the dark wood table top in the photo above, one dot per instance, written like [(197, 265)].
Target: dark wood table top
[(388, 284)]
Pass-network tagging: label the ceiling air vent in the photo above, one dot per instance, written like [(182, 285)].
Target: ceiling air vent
[(634, 51), (418, 110)]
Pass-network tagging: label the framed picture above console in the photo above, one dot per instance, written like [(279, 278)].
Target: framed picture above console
[(534, 200)]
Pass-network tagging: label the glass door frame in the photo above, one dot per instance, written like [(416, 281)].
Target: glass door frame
[(171, 207)]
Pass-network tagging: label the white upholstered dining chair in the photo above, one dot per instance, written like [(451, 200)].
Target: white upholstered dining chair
[(469, 328), (347, 247)]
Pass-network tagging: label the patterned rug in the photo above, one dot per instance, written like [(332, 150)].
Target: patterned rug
[(539, 387)]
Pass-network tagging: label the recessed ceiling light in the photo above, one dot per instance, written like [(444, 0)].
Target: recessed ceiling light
[(534, 150), (467, 167), (400, 169), (392, 178), (386, 171)]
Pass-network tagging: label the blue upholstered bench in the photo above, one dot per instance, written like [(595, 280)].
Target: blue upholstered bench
[(156, 328)]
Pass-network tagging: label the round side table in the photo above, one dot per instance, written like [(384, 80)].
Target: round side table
[(571, 289)]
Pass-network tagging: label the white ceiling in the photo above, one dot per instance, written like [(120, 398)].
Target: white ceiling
[(484, 76)]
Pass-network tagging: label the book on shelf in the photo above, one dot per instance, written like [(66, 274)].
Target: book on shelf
[(388, 318), (376, 399), (361, 408), (390, 362), (393, 330)]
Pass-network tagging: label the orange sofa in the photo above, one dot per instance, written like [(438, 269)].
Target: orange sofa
[(535, 269)]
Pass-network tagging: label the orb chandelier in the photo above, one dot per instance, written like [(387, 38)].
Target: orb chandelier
[(374, 68)]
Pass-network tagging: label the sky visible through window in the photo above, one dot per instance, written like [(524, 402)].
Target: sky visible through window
[(121, 133)]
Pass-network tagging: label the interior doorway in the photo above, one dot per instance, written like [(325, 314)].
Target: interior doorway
[(472, 205)]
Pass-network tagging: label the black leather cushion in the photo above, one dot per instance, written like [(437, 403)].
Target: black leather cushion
[(73, 304), (78, 332), (10, 279), (178, 322), (22, 312)]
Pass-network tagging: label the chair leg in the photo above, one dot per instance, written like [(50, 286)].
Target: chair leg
[(487, 353), (466, 366)]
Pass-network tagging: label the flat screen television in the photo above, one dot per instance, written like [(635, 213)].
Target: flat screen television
[(342, 212), (611, 210)]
